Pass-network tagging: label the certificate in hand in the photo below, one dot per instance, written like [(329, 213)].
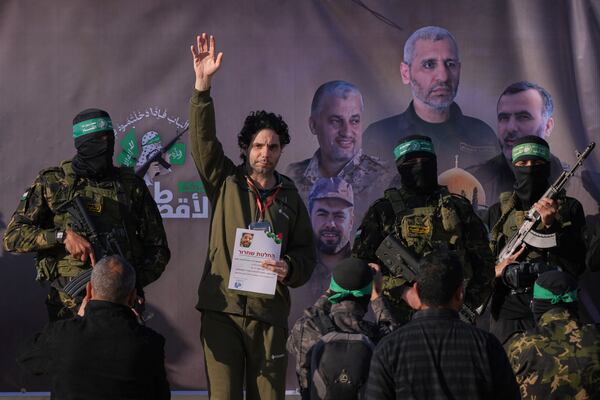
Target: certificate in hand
[(251, 248)]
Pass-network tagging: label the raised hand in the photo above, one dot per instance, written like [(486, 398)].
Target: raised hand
[(205, 62)]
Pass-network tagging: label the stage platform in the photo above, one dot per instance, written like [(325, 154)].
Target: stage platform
[(199, 395)]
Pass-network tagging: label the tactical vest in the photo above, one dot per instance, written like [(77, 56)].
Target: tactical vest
[(437, 226), (511, 219), (109, 205)]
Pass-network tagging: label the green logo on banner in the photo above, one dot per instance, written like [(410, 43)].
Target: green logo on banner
[(131, 151), (177, 155), (190, 187)]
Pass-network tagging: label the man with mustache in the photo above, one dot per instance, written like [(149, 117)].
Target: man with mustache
[(431, 67), (336, 120), (331, 209), (244, 334), (524, 108)]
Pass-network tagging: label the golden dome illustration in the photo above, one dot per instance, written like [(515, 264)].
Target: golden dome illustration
[(462, 182)]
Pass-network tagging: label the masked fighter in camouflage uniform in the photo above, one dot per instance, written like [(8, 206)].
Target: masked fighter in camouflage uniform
[(562, 223), (426, 218), (116, 200), (560, 357)]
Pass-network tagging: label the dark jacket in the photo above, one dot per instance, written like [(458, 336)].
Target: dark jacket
[(104, 355), (469, 138), (437, 356), (234, 206)]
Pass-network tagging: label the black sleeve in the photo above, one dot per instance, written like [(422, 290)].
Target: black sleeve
[(571, 249), (505, 384), (161, 384), (593, 254), (380, 385), (35, 355)]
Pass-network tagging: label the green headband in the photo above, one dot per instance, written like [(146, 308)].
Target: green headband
[(413, 146), (340, 293), (530, 149), (100, 124), (541, 293)]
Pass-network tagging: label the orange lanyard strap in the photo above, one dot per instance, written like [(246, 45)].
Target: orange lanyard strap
[(262, 208)]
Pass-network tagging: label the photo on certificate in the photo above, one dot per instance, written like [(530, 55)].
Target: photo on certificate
[(247, 276)]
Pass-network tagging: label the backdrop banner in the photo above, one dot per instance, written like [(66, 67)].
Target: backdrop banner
[(132, 58)]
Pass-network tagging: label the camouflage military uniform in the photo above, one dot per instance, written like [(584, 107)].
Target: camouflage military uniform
[(347, 317), (368, 176), (559, 359), (426, 223), (122, 205)]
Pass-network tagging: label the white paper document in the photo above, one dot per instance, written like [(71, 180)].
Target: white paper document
[(251, 248)]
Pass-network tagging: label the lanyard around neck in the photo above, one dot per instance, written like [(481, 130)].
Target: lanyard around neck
[(262, 207)]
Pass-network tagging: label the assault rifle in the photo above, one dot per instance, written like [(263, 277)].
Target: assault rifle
[(400, 261), (157, 156), (526, 234), (104, 244)]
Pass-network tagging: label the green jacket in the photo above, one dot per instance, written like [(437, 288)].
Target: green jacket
[(234, 206)]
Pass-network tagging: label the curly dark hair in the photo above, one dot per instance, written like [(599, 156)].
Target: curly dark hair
[(259, 120)]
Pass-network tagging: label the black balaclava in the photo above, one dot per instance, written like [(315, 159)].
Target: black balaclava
[(416, 175), (531, 182), (95, 144), (554, 289)]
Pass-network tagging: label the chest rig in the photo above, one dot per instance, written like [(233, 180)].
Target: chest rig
[(435, 226), (109, 206), (511, 219)]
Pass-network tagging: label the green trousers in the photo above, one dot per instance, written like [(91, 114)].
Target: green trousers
[(240, 350)]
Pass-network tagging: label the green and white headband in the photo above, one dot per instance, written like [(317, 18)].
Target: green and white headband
[(412, 146), (530, 150), (94, 125)]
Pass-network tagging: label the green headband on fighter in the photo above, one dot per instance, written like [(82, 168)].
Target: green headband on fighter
[(541, 293), (94, 125), (413, 146), (339, 293), (530, 150)]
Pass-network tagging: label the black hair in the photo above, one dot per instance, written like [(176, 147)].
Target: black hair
[(518, 87), (438, 279), (257, 121)]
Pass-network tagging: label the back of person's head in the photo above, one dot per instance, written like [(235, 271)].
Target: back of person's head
[(554, 289), (439, 279), (351, 279), (113, 279)]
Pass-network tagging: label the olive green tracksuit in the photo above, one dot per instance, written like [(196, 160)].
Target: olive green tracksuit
[(244, 335)]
